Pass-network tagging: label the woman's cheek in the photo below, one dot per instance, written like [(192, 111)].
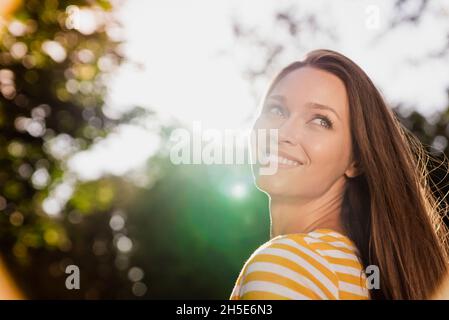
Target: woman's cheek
[(323, 152), (331, 156), (316, 148)]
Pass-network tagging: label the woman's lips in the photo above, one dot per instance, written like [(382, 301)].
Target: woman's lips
[(282, 160)]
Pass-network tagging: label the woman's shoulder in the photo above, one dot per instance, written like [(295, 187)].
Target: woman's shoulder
[(296, 266), (325, 243)]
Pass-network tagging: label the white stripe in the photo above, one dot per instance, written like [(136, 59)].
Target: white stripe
[(346, 270), (331, 266), (339, 244), (235, 291), (317, 257), (303, 263), (308, 252), (313, 240), (267, 286), (317, 234), (330, 233), (338, 254), (351, 288), (286, 272)]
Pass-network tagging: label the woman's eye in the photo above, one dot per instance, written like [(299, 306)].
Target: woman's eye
[(324, 121), (275, 110)]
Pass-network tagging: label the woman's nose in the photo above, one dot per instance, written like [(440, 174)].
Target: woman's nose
[(288, 132)]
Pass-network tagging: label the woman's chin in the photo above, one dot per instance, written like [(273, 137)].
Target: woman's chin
[(273, 186)]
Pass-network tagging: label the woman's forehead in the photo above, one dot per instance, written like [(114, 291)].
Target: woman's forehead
[(306, 79), (308, 84)]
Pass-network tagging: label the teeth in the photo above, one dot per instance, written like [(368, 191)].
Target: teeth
[(279, 159)]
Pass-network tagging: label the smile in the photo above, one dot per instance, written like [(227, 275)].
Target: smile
[(282, 162)]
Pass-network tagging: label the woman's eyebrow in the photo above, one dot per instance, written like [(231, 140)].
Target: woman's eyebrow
[(277, 97), (314, 105)]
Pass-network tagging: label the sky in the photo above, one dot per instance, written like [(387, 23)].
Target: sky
[(177, 66)]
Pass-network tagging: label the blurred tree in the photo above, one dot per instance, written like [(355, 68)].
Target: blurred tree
[(9, 290), (55, 59)]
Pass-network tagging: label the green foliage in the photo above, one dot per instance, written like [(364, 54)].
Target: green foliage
[(53, 77), (52, 85)]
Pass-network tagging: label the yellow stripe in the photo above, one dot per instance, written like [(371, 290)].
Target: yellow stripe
[(281, 280), (328, 246), (329, 238), (344, 295), (318, 265), (358, 281), (344, 262), (262, 295), (295, 267)]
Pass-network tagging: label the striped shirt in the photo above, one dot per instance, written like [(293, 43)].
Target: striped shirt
[(322, 264)]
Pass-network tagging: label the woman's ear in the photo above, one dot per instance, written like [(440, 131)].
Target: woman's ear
[(353, 170)]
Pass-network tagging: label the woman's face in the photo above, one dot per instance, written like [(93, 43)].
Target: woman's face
[(309, 107)]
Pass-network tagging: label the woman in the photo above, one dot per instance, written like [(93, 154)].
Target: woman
[(352, 214)]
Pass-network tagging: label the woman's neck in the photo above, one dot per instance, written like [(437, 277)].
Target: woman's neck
[(299, 215)]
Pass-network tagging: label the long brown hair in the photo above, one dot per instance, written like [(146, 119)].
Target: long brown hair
[(389, 209)]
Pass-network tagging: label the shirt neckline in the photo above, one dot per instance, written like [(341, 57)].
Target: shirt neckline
[(335, 233), (327, 231)]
